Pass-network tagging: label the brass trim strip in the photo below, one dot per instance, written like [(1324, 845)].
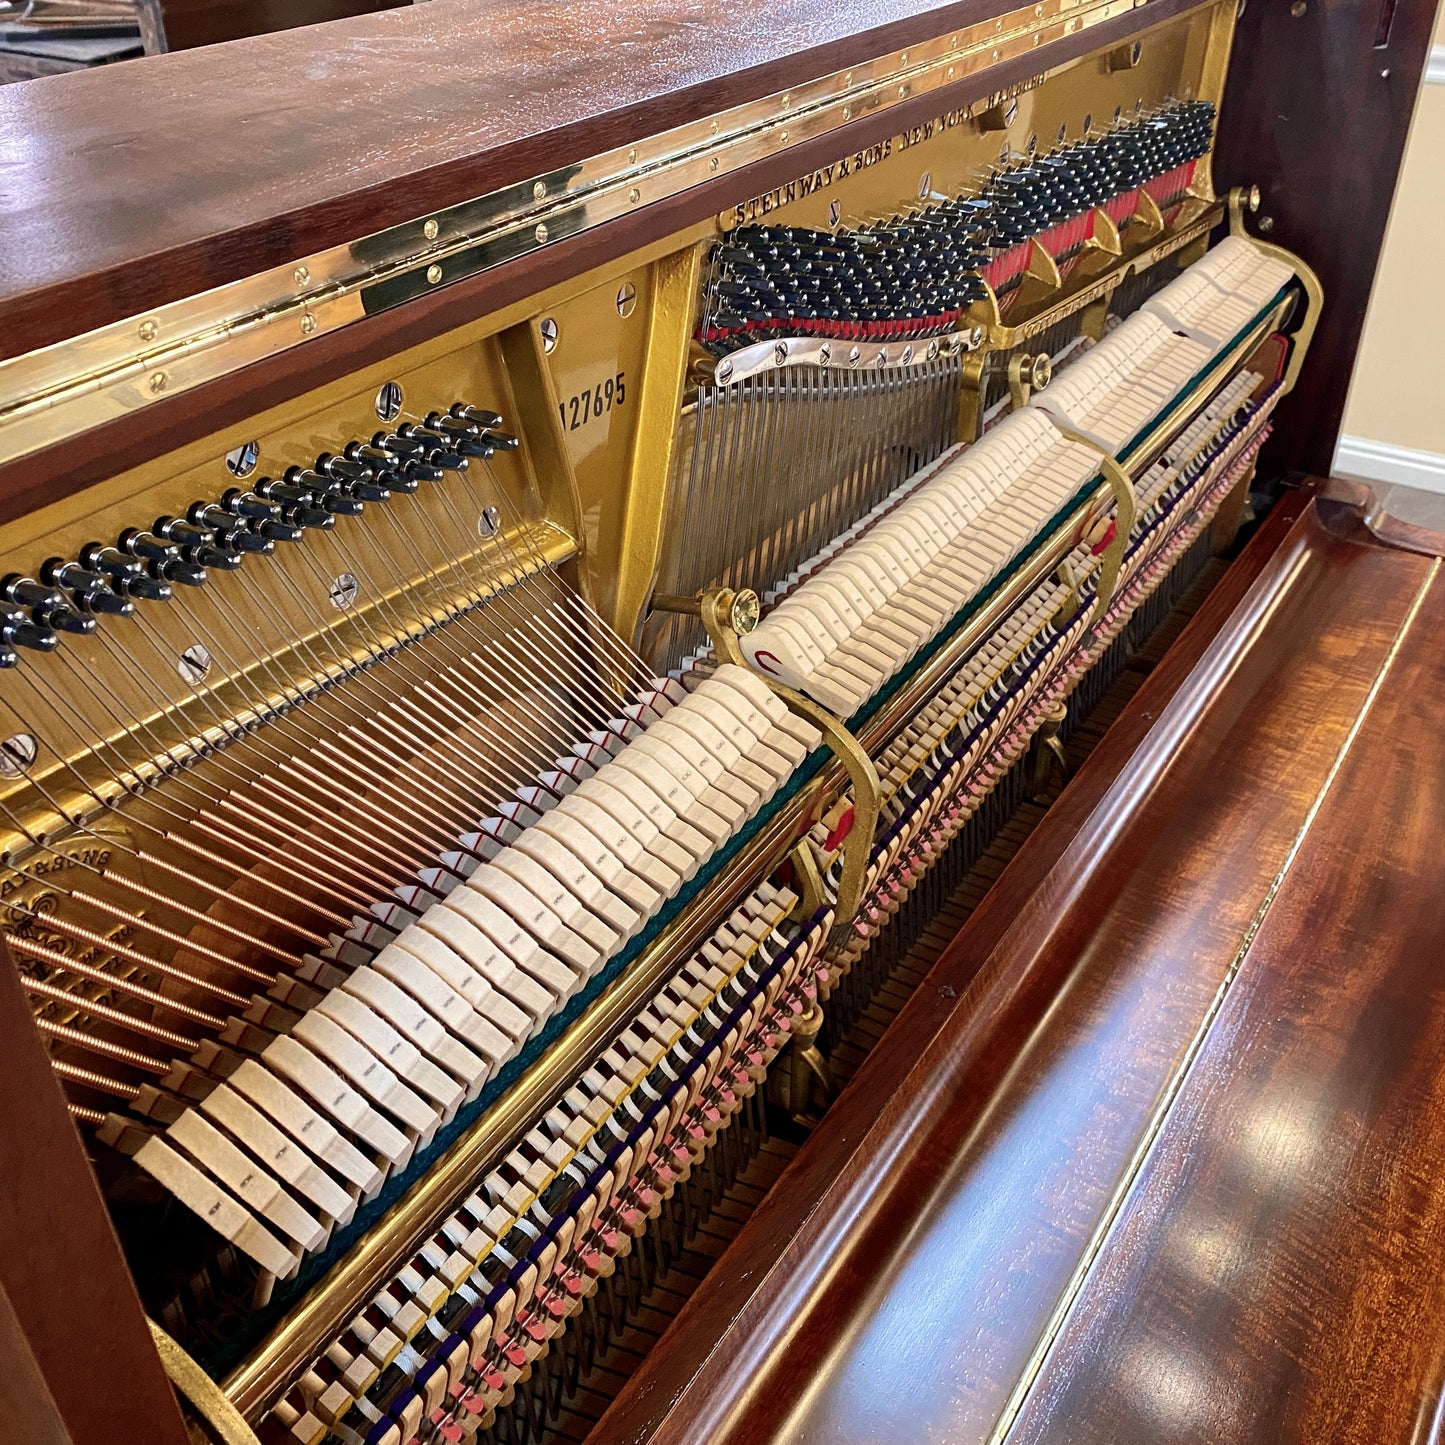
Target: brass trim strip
[(208, 1401), (62, 390)]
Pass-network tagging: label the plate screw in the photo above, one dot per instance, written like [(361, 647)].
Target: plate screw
[(241, 461), (430, 229), (489, 523), (835, 212), (16, 754), (194, 663), (925, 184), (548, 329), (725, 372), (302, 275), (780, 353), (626, 299), (388, 401), (343, 590)]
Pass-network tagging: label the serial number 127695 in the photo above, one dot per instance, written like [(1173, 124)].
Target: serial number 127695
[(594, 402)]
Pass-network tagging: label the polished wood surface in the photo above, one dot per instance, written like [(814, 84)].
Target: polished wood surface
[(229, 161), (1316, 113), (229, 222), (1276, 1272), (185, 24), (961, 1251), (90, 1373)]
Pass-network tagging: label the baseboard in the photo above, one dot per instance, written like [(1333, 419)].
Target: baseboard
[(1373, 461)]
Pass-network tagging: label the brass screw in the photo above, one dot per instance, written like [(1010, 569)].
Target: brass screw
[(1298, 9), (429, 230), (541, 232), (634, 195), (712, 164), (626, 299), (158, 382), (539, 189), (308, 324), (433, 274), (301, 275), (148, 330)]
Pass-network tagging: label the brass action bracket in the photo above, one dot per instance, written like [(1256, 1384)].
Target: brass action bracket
[(1244, 199), (1126, 510), (727, 614)]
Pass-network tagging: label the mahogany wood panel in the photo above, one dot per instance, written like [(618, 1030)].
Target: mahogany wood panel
[(61, 1269), (898, 1280), (1276, 1272), (1316, 113), (127, 188), (83, 300), (188, 23)]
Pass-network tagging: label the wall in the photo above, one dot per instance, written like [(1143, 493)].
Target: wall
[(1394, 428)]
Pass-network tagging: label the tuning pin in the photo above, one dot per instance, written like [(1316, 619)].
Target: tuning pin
[(179, 570), (65, 618), (23, 631), (109, 560), (340, 469), (99, 598), (302, 514), (246, 504), (144, 545), (27, 592), (142, 584), (478, 416), (275, 529)]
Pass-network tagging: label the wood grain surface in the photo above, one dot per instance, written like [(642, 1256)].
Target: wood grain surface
[(1276, 1273), (906, 1276), (131, 186), (238, 231), (89, 1373)]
